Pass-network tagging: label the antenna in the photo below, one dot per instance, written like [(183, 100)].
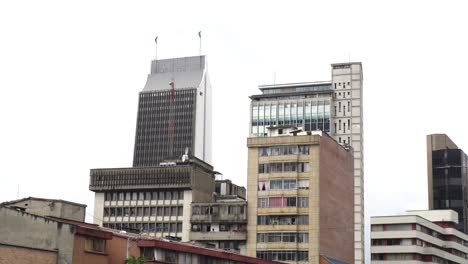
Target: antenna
[(17, 193), (274, 78), (199, 36), (156, 53)]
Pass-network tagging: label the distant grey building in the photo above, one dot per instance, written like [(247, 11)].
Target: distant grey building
[(168, 122)]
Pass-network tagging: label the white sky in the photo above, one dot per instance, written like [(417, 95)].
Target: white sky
[(70, 73)]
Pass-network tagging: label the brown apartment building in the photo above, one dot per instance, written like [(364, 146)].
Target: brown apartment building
[(300, 197)]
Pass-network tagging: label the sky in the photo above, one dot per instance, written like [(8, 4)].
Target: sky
[(70, 73)]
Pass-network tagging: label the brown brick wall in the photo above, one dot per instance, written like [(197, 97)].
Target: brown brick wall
[(10, 254), (117, 249), (336, 201), (80, 255)]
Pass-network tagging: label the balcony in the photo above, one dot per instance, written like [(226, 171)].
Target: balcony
[(211, 236), (219, 218)]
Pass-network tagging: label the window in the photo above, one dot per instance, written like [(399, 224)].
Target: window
[(303, 184), (303, 201), (95, 244), (262, 203), (339, 106), (276, 184)]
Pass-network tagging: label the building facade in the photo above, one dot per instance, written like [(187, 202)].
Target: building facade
[(447, 170), (300, 198), (418, 237), (152, 200), (174, 112), (223, 222), (335, 107)]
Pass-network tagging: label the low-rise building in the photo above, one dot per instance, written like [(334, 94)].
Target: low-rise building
[(418, 237), (30, 238), (223, 222), (50, 207)]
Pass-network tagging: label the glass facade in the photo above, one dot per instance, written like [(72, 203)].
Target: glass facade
[(308, 114), (449, 179)]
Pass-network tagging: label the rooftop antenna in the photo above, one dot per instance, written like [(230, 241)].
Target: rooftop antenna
[(274, 78), (199, 48), (17, 193), (156, 52)]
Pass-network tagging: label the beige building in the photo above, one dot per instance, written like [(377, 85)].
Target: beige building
[(300, 197)]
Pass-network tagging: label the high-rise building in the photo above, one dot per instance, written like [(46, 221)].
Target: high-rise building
[(418, 237), (447, 171), (300, 197), (335, 107), (174, 126), (174, 112)]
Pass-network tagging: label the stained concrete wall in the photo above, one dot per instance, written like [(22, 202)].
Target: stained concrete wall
[(56, 208), (23, 229)]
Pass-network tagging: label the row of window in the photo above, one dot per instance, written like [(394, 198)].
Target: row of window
[(222, 228), (416, 242), (322, 123), (141, 195), (214, 209), (282, 220), (144, 211), (146, 227), (339, 84), (283, 150), (300, 237), (410, 257), (289, 111), (275, 202), (418, 227), (320, 87), (283, 185), (279, 167), (284, 255)]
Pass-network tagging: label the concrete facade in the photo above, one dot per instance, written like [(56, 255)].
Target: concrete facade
[(418, 237), (158, 203), (50, 207), (318, 215), (26, 230)]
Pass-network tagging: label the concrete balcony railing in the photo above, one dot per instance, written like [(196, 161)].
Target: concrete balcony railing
[(238, 218), (222, 235)]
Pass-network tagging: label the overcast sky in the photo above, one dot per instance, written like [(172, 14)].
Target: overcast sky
[(70, 73)]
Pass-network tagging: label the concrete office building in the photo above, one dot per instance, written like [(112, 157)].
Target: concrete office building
[(222, 223), (300, 197), (447, 170), (418, 237), (152, 200), (335, 107), (174, 112)]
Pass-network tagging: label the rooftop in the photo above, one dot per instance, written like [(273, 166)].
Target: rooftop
[(186, 72)]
